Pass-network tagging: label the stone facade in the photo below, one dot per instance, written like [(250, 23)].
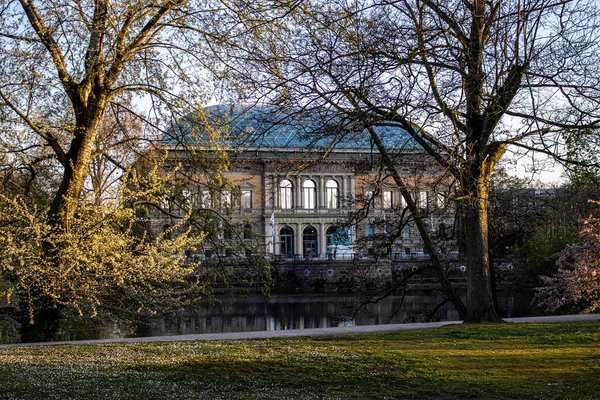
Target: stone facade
[(310, 200), (304, 194)]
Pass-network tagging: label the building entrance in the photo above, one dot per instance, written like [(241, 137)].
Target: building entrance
[(286, 238), (309, 240)]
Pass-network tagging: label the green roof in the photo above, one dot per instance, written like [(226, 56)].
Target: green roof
[(262, 127)]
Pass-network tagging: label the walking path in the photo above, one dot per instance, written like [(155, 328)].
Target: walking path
[(312, 332)]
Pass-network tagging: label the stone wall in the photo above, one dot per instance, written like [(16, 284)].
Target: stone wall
[(340, 276)]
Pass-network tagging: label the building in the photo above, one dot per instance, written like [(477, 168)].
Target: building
[(294, 187)]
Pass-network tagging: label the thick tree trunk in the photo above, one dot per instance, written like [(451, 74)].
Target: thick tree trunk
[(76, 168), (480, 304)]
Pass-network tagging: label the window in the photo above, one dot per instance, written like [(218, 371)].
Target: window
[(285, 194), (442, 231), (205, 198), (286, 240), (331, 194), (422, 201), (402, 203), (369, 230), (406, 232), (187, 197), (309, 194), (309, 241), (440, 200), (248, 232), (368, 197), (246, 198), (388, 199), (226, 198)]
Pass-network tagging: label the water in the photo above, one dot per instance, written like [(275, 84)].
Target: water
[(300, 311)]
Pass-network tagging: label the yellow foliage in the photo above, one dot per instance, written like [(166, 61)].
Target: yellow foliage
[(104, 254)]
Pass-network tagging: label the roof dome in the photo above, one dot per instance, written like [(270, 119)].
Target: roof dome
[(261, 127)]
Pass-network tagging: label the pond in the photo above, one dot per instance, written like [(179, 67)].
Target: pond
[(256, 312)]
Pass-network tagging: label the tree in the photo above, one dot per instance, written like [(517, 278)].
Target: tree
[(64, 63), (467, 80), (576, 285), (69, 74), (102, 268)]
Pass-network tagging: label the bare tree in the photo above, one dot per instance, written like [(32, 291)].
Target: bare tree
[(466, 79)]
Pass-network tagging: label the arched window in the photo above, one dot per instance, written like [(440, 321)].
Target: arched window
[(286, 194), (309, 239), (331, 194), (309, 194), (286, 238)]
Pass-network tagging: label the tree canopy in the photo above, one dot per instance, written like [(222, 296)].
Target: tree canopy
[(70, 76), (468, 80)]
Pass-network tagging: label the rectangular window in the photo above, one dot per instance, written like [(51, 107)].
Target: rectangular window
[(440, 200), (286, 197), (226, 198), (423, 199), (368, 197), (246, 199), (402, 203), (187, 197), (332, 198), (407, 251), (388, 199), (205, 199), (310, 198)]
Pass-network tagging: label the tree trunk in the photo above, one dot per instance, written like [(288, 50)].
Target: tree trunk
[(433, 251), (76, 168), (480, 304)]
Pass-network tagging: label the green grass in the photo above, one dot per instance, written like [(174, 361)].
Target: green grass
[(558, 361)]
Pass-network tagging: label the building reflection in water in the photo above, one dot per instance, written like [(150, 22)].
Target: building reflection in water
[(281, 312)]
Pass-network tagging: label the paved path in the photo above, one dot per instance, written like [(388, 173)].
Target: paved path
[(312, 332)]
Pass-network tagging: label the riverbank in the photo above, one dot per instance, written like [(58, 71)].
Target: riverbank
[(544, 361)]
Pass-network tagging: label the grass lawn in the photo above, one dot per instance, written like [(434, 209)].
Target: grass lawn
[(558, 361)]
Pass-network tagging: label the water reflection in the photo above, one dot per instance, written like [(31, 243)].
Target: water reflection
[(299, 311)]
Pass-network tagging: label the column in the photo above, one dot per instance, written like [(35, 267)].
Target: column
[(297, 193), (276, 244), (298, 241), (270, 192), (343, 191), (322, 239), (321, 195)]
